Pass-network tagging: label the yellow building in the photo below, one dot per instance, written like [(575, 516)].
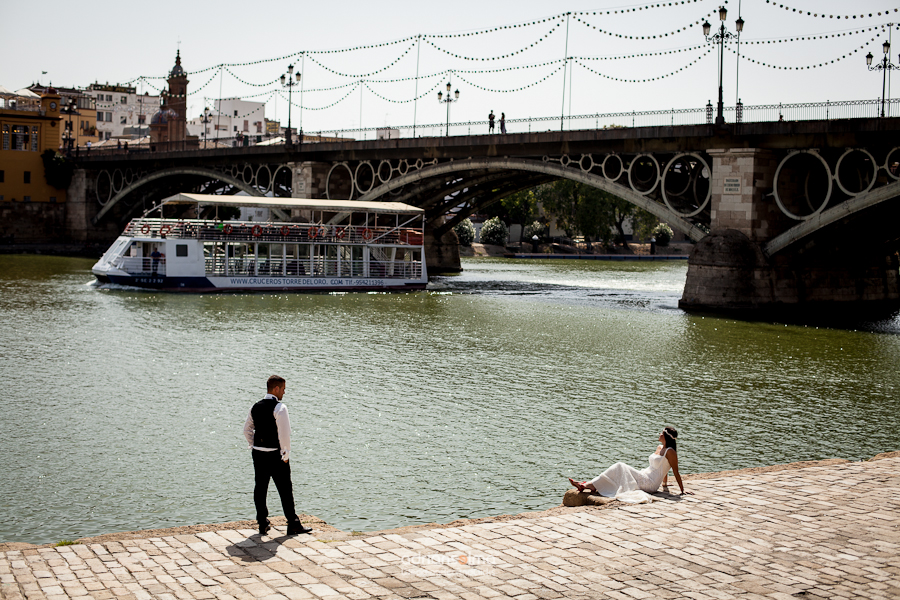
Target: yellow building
[(79, 115), (25, 132)]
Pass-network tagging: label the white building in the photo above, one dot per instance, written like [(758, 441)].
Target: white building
[(121, 111), (230, 118)]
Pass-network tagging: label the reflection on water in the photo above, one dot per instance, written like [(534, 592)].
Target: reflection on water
[(477, 397)]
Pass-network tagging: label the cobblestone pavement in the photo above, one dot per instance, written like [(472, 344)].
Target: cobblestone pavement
[(820, 532)]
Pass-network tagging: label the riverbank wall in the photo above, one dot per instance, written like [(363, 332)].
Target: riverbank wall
[(815, 532), (322, 526)]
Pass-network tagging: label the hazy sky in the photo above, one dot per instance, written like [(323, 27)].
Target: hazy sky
[(119, 41)]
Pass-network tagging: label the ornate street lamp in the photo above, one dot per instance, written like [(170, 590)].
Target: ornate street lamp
[(289, 82), (206, 120), (720, 38), (884, 66), (448, 100), (69, 131)]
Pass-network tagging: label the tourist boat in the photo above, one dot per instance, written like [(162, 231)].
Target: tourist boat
[(318, 245)]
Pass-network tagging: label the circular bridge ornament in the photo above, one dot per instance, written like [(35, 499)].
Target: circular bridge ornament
[(328, 181), (109, 188), (888, 162), (692, 181), (589, 163), (385, 171), (631, 173), (837, 171), (828, 176), (607, 160), (356, 177)]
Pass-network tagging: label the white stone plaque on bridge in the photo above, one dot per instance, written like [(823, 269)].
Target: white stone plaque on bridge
[(732, 185)]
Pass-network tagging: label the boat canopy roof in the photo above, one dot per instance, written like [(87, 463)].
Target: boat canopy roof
[(298, 203)]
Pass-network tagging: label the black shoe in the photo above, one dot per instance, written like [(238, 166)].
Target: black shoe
[(264, 527), (297, 528)]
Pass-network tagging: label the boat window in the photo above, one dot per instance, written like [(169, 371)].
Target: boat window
[(181, 249)]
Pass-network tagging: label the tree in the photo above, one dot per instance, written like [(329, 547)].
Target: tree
[(594, 213), (494, 231), (520, 207), (465, 231), (58, 170)]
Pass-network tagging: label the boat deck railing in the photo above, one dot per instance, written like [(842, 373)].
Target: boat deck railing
[(249, 231), (316, 266)]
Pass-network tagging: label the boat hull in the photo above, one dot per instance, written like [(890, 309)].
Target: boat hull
[(262, 284)]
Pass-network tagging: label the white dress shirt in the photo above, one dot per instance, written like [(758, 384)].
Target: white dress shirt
[(282, 422)]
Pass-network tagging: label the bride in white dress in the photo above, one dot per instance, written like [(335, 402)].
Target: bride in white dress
[(627, 484)]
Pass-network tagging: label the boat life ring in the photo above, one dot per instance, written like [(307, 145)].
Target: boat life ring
[(145, 228), (285, 230), (164, 230), (312, 233), (340, 233), (256, 231), (228, 229), (367, 233)]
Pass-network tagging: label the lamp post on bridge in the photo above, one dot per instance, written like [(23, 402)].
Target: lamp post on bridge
[(720, 38), (206, 120), (884, 66), (447, 101), (288, 82)]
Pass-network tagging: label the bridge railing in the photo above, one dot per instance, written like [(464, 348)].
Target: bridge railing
[(806, 111)]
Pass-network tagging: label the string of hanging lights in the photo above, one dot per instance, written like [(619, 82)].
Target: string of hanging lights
[(335, 103), (363, 75), (521, 50), (386, 99), (804, 67), (822, 36), (518, 89), (643, 37), (648, 79), (823, 15)]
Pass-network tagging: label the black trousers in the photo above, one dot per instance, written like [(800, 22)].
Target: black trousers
[(269, 465)]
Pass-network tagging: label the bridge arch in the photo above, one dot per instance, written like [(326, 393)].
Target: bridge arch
[(210, 173), (441, 170), (828, 217)]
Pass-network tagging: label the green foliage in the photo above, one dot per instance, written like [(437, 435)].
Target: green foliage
[(465, 231), (65, 543), (663, 234), (58, 169), (494, 231), (643, 224), (520, 207), (535, 228), (583, 209)]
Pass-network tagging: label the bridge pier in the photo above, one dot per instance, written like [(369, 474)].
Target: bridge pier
[(441, 253), (728, 271)]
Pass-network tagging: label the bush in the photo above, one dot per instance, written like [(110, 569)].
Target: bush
[(663, 234), (465, 231), (494, 231), (58, 170), (536, 228)]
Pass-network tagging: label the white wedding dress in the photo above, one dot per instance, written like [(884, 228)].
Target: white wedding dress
[(627, 484)]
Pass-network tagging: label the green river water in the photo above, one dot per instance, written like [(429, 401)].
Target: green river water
[(122, 409)]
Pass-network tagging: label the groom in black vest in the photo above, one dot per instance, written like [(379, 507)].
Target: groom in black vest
[(268, 431)]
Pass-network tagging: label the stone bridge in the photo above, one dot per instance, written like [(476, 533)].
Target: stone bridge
[(795, 216)]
